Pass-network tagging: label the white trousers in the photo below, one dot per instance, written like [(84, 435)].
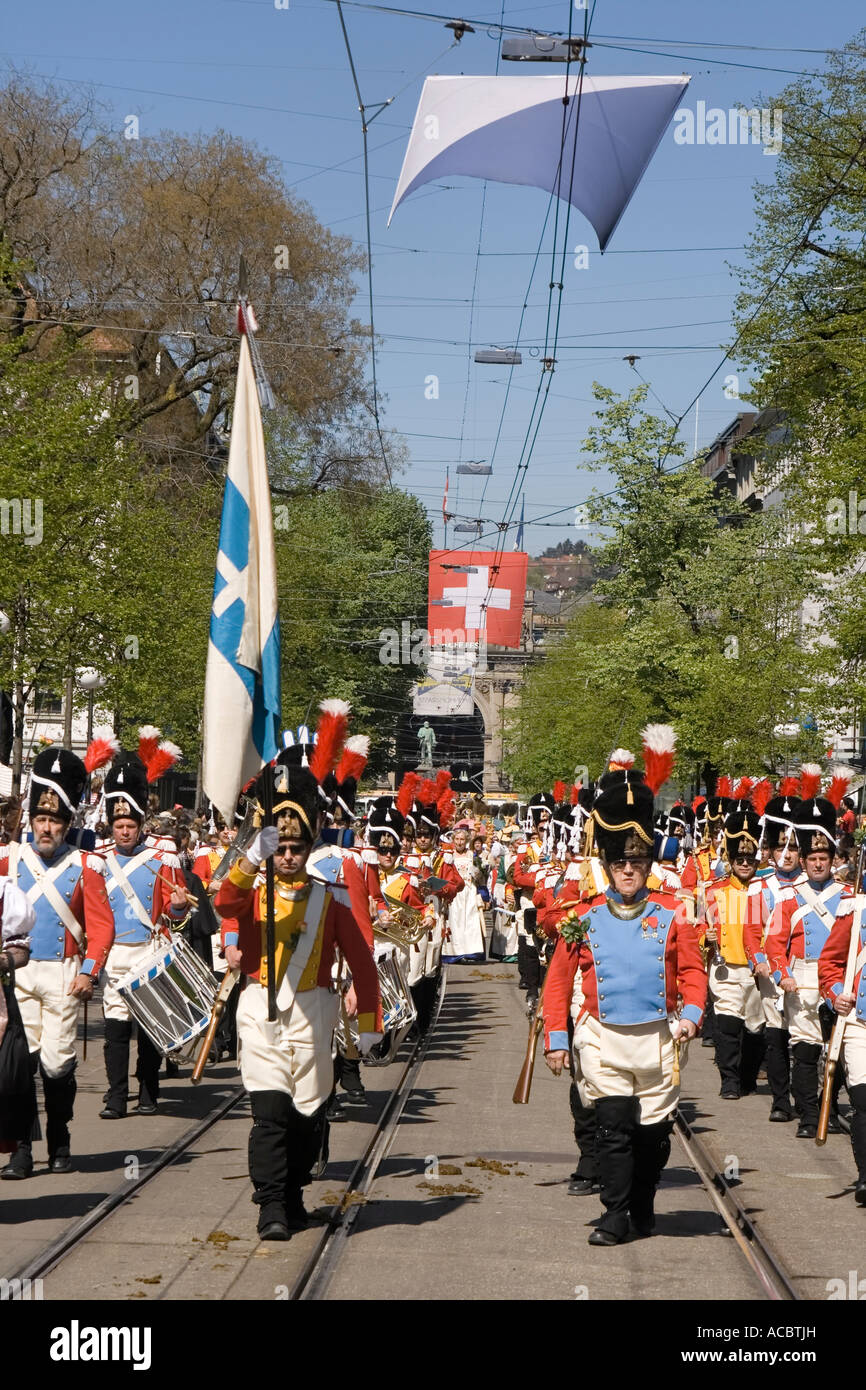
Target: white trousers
[(638, 1060), (854, 1051), (801, 1008), (292, 1054), (733, 990), (49, 1012), (121, 961), (770, 996)]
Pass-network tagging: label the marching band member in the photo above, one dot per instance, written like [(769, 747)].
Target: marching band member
[(798, 932), (68, 945), (729, 908), (19, 1110), (465, 930), (636, 955), (287, 1065), (774, 884), (851, 1006), (145, 887), (522, 876), (433, 811)]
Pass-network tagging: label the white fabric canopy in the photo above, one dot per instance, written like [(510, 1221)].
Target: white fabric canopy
[(509, 129)]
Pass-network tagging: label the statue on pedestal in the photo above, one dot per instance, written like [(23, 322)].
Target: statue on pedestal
[(427, 743)]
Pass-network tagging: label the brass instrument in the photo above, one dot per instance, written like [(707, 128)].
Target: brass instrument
[(406, 927), (246, 833)]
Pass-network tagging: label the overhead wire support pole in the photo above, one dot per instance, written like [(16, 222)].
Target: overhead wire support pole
[(364, 129)]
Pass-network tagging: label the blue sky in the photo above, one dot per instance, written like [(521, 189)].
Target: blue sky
[(663, 290)]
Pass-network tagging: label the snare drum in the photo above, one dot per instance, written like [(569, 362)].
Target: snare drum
[(171, 995), (398, 1009)]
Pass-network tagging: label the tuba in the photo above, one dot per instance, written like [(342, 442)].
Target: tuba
[(406, 927)]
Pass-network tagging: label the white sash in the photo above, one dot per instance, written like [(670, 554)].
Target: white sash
[(43, 886), (815, 904), (119, 878), (304, 949)]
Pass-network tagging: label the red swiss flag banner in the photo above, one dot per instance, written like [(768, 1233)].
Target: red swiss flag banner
[(473, 592)]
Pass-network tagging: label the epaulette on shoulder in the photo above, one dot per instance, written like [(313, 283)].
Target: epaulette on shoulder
[(664, 898), (93, 861), (171, 861)]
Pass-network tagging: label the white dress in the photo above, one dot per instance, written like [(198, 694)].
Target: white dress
[(465, 919)]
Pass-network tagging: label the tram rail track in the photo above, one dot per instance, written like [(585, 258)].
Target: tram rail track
[(318, 1268), (759, 1254)]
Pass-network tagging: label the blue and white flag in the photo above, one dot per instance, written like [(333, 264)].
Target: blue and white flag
[(242, 682), (518, 544)]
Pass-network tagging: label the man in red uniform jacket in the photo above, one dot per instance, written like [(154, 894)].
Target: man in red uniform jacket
[(636, 954), (286, 1065)]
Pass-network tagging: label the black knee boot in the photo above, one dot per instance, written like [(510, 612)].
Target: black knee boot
[(347, 1071), (306, 1150), (652, 1149), (754, 1050), (147, 1070), (779, 1073), (118, 1032), (584, 1179), (268, 1159), (522, 950), (728, 1034), (708, 1025), (804, 1084), (59, 1092), (857, 1095), (617, 1118)]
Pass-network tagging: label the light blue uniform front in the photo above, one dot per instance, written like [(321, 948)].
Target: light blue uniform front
[(48, 936), (814, 931), (129, 929), (630, 964)]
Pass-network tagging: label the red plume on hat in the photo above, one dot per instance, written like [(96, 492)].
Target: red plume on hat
[(148, 742), (575, 793), (743, 788), (558, 792), (331, 732), (426, 792), (166, 755), (620, 758), (810, 781), (406, 793), (760, 794), (659, 745), (724, 786), (789, 786), (354, 757), (698, 802), (838, 788), (100, 751)]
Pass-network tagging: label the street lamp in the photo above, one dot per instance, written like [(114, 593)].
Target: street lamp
[(90, 680)]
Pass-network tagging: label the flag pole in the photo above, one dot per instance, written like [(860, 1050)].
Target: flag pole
[(270, 929), (268, 781)]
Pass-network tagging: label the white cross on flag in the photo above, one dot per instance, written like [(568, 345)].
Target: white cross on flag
[(475, 591)]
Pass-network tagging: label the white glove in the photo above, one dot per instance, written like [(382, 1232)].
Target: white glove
[(367, 1041), (263, 846)]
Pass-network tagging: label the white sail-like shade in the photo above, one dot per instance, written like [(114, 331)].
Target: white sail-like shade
[(509, 129)]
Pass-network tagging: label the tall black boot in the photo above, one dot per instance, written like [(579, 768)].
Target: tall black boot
[(268, 1159), (347, 1072), (59, 1092), (857, 1096), (306, 1143), (804, 1084), (147, 1070), (118, 1032), (585, 1176), (754, 1050), (709, 1023), (652, 1149), (617, 1120), (728, 1034), (522, 954), (779, 1072), (533, 975)]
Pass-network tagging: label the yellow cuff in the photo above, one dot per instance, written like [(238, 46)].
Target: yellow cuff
[(240, 879), (367, 1023)]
